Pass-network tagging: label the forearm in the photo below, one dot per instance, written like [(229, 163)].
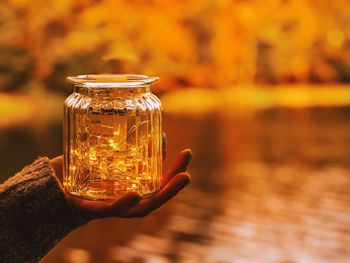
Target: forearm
[(34, 215)]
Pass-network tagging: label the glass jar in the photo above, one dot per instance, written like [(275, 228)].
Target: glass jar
[(112, 136)]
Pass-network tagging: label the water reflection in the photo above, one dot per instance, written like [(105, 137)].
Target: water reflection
[(272, 187), (21, 145)]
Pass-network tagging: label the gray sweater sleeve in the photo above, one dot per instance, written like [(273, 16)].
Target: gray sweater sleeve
[(34, 215)]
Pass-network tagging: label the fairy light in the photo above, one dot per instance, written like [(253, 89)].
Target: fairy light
[(112, 160)]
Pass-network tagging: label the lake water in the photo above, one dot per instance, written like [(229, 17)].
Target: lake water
[(270, 186)]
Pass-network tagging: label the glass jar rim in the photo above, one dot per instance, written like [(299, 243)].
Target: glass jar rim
[(111, 80)]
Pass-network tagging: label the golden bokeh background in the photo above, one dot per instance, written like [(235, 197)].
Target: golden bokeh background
[(258, 89), (187, 43)]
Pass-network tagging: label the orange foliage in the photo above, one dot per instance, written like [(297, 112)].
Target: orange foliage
[(193, 42)]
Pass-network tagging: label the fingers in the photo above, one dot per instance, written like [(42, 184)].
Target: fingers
[(146, 206), (96, 209), (57, 165), (127, 202), (164, 153), (180, 165), (164, 144)]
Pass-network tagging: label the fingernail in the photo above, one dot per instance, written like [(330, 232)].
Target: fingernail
[(164, 141), (188, 157), (184, 183)]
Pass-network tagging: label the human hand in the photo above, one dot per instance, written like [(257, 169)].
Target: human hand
[(131, 204)]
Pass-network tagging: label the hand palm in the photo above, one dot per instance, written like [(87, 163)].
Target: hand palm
[(132, 204)]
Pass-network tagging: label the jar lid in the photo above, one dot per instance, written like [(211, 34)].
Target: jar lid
[(111, 80)]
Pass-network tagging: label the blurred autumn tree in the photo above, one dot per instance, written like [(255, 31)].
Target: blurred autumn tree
[(186, 42)]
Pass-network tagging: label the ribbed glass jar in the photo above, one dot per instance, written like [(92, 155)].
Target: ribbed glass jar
[(112, 137)]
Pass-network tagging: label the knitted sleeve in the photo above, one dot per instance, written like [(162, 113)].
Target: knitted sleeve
[(34, 215)]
